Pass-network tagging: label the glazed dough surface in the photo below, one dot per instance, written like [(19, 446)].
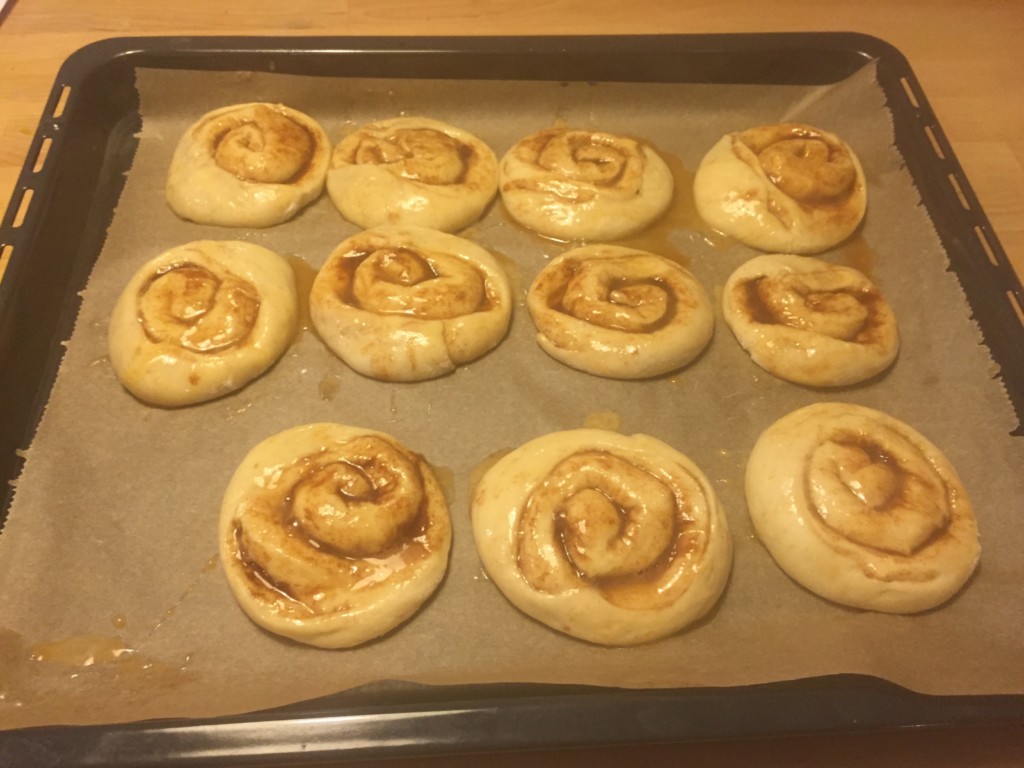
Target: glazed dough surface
[(408, 304), (201, 320), (619, 312), (584, 185), (810, 322), (333, 535), (786, 188), (861, 509), (412, 171), (610, 538), (249, 165)]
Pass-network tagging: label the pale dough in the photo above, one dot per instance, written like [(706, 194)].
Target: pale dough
[(333, 535), (201, 320), (610, 538), (619, 312), (787, 188), (584, 185), (249, 165), (412, 171), (861, 509), (408, 304), (810, 322)]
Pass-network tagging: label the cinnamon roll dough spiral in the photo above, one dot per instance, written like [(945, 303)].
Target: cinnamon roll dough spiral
[(861, 509), (333, 535), (786, 188), (810, 322), (584, 185), (408, 304), (249, 165), (201, 320), (412, 171), (610, 538), (619, 312)]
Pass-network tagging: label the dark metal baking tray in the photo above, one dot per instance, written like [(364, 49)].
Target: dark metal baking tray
[(55, 227)]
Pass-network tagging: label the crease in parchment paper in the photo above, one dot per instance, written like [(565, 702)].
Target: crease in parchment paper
[(111, 540)]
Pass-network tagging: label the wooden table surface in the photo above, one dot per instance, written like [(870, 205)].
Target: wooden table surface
[(968, 55)]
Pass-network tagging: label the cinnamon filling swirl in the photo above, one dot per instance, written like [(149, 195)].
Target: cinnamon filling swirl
[(421, 154), (823, 303), (809, 321), (196, 308), (248, 165), (265, 146), (610, 538), (881, 496), (578, 160), (598, 296), (806, 164), (785, 188), (862, 509), (408, 303), (574, 184), (337, 521), (600, 519), (201, 320), (333, 535), (412, 171), (400, 280), (619, 312)]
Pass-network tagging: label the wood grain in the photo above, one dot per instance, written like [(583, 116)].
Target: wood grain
[(968, 55)]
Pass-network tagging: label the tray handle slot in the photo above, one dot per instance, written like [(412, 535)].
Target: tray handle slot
[(959, 190), (6, 249), (42, 154), (986, 245), (1012, 298), (908, 89), (934, 141), (61, 102), (23, 205)]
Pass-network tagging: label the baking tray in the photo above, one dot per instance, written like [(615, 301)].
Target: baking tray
[(54, 230)]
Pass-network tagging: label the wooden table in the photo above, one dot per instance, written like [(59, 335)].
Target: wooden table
[(969, 57)]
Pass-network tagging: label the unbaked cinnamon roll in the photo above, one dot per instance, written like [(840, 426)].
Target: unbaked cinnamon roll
[(201, 320), (619, 312), (412, 171), (333, 535), (584, 185), (408, 304), (861, 509), (786, 188), (250, 165), (610, 538), (810, 322)]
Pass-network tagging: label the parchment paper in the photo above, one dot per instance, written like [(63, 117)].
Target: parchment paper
[(111, 541)]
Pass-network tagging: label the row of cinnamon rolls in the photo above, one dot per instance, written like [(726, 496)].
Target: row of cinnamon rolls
[(410, 304), (257, 165), (785, 188), (335, 535)]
